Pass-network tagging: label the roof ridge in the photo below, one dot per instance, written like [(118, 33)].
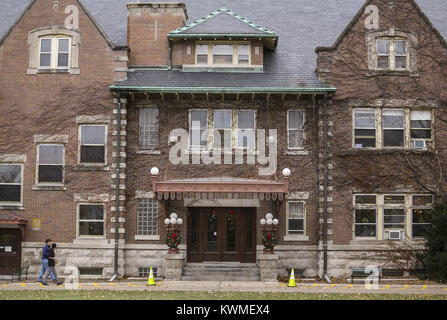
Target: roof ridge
[(218, 12)]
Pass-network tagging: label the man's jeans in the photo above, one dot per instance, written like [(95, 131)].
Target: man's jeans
[(45, 268)]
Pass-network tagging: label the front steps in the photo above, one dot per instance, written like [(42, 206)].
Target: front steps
[(221, 271)]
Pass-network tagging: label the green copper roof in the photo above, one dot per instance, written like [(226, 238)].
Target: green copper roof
[(224, 25)]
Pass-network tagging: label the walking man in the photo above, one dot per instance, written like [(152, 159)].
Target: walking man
[(51, 266), (45, 252)]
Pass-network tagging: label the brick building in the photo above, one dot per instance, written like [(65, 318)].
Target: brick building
[(217, 101)]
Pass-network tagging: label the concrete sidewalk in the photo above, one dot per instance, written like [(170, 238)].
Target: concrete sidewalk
[(241, 286)]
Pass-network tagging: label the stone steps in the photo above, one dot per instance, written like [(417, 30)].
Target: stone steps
[(221, 272)]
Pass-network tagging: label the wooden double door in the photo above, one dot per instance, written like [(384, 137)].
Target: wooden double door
[(222, 234), (10, 250)]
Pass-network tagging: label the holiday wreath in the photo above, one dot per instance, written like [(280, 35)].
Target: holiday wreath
[(173, 239), (269, 240)]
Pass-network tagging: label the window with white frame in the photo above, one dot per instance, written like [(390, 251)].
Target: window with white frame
[(91, 220), (50, 164), (296, 218), (246, 124), (243, 54), (420, 205), (147, 217), (93, 144), (393, 127), (223, 54), (54, 53), (295, 129), (202, 54), (392, 54), (365, 216), (198, 129), (421, 124), (149, 128), (365, 128), (223, 126), (11, 184)]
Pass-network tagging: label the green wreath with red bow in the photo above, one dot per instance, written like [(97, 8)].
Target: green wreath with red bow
[(269, 240), (173, 239), (231, 220)]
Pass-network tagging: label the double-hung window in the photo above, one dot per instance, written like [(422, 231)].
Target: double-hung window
[(93, 144), (421, 124), (394, 215), (365, 128), (420, 205), (223, 54), (246, 123), (295, 129), (392, 54), (198, 129), (50, 164), (365, 216), (147, 217), (149, 128), (91, 220), (243, 54), (202, 53), (393, 127), (11, 184), (54, 53), (223, 126), (295, 219)]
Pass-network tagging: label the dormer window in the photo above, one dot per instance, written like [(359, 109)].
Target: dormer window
[(391, 54), (223, 54)]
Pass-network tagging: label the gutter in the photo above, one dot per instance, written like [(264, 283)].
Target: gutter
[(261, 90), (117, 188), (325, 188)]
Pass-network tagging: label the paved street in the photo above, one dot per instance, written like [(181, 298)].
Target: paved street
[(217, 286)]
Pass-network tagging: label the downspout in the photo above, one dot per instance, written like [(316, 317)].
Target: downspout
[(325, 188), (170, 54), (117, 187)]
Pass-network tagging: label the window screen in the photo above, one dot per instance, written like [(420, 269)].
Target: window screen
[(51, 163), (295, 129), (93, 140), (365, 128), (10, 183), (393, 128), (296, 218)]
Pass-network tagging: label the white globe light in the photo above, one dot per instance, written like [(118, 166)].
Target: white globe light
[(167, 221), (269, 216), (173, 216), (286, 172), (275, 222), (179, 221), (263, 221), (269, 221), (155, 171), (173, 221)]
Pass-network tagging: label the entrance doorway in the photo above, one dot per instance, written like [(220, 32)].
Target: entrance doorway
[(10, 250), (222, 234)]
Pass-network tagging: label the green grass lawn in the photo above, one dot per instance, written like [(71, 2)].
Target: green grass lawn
[(178, 295)]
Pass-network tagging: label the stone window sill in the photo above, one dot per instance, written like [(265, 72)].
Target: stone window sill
[(297, 153), (150, 152), (296, 238), (389, 151), (12, 207), (49, 188), (92, 168), (374, 73), (223, 68), (53, 71), (142, 238)]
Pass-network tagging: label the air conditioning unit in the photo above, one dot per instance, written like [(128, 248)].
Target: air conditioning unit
[(420, 144), (394, 234)]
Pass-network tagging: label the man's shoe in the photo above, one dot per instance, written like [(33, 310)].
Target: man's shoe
[(45, 284), (59, 283)]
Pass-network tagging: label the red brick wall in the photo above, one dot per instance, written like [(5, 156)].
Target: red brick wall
[(49, 104)]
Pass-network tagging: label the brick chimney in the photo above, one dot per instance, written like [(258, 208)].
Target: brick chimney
[(148, 24)]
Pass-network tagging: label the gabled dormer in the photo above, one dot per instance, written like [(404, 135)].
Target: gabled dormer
[(223, 41)]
